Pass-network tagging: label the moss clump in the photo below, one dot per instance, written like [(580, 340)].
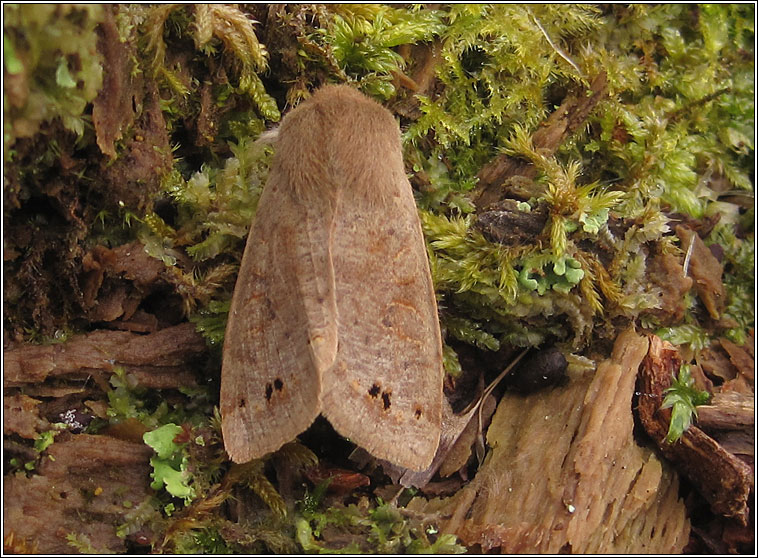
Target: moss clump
[(52, 67), (214, 29), (660, 143), (379, 528)]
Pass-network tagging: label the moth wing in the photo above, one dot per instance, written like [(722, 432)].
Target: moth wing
[(281, 331), (384, 390)]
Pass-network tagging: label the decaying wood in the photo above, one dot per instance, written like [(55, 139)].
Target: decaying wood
[(715, 363), (505, 223), (21, 416), (727, 411), (723, 479), (564, 473), (113, 108), (729, 419), (43, 381), (116, 280), (665, 272), (85, 488), (742, 357), (84, 484), (563, 122), (158, 360)]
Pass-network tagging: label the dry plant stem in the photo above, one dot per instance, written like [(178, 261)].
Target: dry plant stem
[(560, 124), (452, 439), (723, 479), (480, 448), (556, 48)]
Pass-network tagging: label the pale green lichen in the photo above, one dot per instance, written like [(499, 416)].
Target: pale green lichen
[(170, 465), (561, 274)]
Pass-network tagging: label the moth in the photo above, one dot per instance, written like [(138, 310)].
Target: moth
[(334, 309)]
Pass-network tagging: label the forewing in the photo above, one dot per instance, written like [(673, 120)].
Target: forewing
[(281, 326), (384, 391)]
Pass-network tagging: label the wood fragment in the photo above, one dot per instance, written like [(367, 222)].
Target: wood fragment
[(82, 489), (727, 411), (564, 473), (506, 224), (715, 363), (706, 271), (21, 416), (112, 111), (722, 479), (740, 357), (341, 481), (665, 272), (158, 360)]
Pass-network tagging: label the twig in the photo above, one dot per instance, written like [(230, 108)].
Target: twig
[(556, 48)]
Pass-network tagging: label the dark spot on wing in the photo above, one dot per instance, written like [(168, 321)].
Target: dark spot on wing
[(386, 400)]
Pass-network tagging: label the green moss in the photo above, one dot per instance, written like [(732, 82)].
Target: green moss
[(362, 38), (212, 28), (685, 108), (470, 332), (380, 528), (679, 111), (54, 67), (82, 544), (203, 541), (682, 398), (739, 280)]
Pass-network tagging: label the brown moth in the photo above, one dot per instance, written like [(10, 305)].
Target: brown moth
[(334, 309)]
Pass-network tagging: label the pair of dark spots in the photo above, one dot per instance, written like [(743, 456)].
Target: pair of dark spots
[(277, 385), (375, 391)]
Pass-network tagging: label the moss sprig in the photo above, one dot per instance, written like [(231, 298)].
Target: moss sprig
[(362, 38), (211, 27)]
